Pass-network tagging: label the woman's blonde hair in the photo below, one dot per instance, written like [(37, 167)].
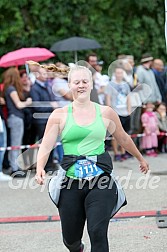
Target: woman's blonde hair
[(79, 68), (50, 67), (65, 71)]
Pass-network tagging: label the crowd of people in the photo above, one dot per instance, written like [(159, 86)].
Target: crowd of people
[(26, 101)]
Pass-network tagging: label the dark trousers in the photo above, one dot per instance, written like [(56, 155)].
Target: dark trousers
[(37, 132), (162, 141), (94, 205)]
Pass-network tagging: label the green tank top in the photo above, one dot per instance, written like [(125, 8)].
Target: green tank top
[(83, 140)]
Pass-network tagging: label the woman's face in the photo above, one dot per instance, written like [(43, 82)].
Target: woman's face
[(24, 79), (80, 84)]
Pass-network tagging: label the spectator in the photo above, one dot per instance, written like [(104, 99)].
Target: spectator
[(162, 124), (146, 76), (116, 97), (100, 82), (13, 93), (135, 122), (26, 85), (6, 166), (3, 142), (92, 61), (150, 129), (158, 68), (44, 104)]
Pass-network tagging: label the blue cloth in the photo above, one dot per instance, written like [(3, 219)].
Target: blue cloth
[(39, 93), (156, 71)]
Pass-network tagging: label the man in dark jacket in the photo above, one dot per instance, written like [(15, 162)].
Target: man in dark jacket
[(43, 105), (158, 68)]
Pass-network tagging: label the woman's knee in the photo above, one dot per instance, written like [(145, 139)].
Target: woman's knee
[(73, 246)]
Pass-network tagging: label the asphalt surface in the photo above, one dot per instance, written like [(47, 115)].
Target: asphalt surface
[(40, 229)]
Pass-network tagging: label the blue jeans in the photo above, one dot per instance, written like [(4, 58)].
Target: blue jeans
[(3, 143), (16, 126)]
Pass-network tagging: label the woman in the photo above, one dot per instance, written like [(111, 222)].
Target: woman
[(83, 125), (13, 94)]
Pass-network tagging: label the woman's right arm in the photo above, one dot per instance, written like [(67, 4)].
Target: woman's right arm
[(18, 103), (52, 131)]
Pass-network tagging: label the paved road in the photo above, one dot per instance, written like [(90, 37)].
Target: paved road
[(144, 193)]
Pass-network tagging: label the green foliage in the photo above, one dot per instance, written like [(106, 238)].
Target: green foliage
[(128, 27)]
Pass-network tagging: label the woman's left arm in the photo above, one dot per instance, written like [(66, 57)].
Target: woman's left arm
[(125, 140)]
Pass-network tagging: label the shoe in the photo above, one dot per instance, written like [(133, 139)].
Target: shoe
[(18, 174), (117, 158), (128, 155), (123, 157), (4, 177), (148, 153), (7, 171), (153, 154)]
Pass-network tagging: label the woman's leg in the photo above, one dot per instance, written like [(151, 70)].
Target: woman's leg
[(99, 204), (72, 215), (16, 126)]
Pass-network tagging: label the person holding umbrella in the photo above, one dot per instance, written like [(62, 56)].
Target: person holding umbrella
[(83, 125)]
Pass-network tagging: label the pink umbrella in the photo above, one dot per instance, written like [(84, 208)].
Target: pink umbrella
[(19, 57)]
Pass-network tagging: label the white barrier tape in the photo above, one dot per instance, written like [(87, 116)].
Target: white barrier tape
[(22, 147), (140, 135), (33, 146)]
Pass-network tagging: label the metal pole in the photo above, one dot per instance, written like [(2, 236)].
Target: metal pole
[(75, 56)]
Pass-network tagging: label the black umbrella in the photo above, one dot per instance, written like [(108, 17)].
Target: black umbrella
[(74, 44)]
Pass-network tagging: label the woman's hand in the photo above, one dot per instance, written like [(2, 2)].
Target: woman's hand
[(163, 114), (2, 101), (40, 176), (28, 101), (144, 166)]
